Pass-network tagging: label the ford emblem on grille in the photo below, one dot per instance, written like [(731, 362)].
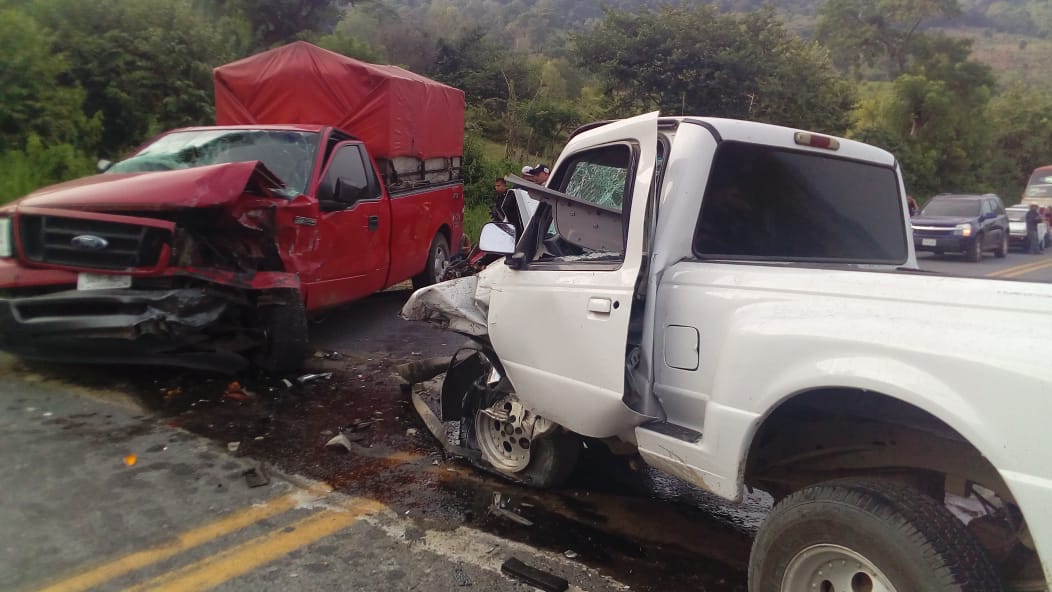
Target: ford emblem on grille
[(89, 242)]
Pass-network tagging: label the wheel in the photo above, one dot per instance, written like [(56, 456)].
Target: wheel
[(437, 261), (497, 425), (858, 534), (1002, 250), (975, 252), (286, 344)]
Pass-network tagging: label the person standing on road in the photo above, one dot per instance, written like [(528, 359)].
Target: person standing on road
[(1033, 218), (500, 191)]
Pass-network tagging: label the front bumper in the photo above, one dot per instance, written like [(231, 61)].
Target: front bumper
[(169, 327), (942, 243)]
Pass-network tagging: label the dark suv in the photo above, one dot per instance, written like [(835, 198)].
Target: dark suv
[(962, 223)]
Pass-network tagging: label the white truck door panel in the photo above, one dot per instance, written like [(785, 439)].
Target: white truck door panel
[(561, 328)]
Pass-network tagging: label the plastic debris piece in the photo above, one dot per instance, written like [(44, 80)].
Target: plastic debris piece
[(461, 578), (233, 446), (570, 554), (286, 382), (130, 460), (498, 508), (338, 441), (533, 576), (333, 355), (255, 477), (411, 432), (306, 378)]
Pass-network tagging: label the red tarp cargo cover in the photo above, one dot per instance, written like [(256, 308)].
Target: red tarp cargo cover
[(394, 111)]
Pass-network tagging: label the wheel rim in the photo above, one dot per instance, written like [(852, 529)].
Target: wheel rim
[(504, 443), (832, 568), (441, 262)]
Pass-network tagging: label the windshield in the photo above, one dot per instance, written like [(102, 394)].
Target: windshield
[(1042, 177), (288, 154), (956, 207)]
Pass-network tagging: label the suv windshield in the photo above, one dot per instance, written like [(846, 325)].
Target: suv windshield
[(954, 206), (288, 154)]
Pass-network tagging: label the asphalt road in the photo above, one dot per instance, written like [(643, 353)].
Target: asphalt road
[(131, 478)]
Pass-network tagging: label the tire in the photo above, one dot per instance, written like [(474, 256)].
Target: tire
[(552, 457), (1001, 251), (285, 330), (437, 261), (975, 252), (860, 534)]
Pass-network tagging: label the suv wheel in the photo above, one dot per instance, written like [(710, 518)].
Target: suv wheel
[(1002, 250), (975, 252)]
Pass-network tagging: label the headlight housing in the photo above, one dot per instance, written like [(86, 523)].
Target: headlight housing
[(7, 248), (963, 229)]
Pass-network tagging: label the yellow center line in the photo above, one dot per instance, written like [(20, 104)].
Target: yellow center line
[(235, 561), (1021, 269), (182, 542)]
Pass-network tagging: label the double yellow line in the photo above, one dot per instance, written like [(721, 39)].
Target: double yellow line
[(232, 562), (1018, 270)]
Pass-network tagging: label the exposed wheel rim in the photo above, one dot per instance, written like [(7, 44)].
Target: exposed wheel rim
[(832, 568), (504, 443), (440, 263)]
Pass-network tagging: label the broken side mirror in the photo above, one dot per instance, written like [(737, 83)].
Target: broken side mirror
[(498, 238), (103, 165), (347, 192)]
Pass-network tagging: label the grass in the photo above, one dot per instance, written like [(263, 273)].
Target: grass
[(475, 216), (1012, 57)]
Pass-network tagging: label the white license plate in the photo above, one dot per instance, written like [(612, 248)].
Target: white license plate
[(927, 242), (96, 281)]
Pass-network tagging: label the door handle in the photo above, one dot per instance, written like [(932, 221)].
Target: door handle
[(374, 222), (599, 305)]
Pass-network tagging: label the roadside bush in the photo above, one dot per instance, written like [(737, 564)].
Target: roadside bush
[(22, 171)]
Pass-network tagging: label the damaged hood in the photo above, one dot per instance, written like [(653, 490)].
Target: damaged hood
[(198, 187), (459, 305)]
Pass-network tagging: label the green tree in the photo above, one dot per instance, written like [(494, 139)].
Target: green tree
[(145, 65), (274, 22), (1021, 120), (35, 91), (877, 32), (699, 61)]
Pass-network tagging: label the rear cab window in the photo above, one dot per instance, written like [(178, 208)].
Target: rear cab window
[(775, 204)]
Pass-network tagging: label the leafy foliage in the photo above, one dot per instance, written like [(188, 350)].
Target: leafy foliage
[(699, 61)]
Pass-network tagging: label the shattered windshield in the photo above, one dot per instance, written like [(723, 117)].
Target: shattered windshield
[(288, 154)]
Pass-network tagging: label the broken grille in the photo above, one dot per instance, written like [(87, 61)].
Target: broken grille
[(50, 239)]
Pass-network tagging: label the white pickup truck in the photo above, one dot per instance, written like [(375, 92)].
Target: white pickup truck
[(739, 305)]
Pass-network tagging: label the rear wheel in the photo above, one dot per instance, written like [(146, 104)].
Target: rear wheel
[(437, 261), (975, 252), (1002, 250), (859, 534)]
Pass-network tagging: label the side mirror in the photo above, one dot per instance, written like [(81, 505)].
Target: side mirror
[(103, 165), (498, 238)]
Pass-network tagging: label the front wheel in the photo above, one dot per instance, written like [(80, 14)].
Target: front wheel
[(437, 261), (1002, 250), (285, 331), (512, 441), (860, 534), (975, 253)]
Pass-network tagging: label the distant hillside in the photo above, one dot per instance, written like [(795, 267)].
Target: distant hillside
[(1013, 36)]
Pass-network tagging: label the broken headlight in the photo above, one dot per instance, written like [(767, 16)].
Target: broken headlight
[(6, 247)]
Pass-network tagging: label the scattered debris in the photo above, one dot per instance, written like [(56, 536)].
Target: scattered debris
[(255, 477), (339, 440), (172, 393), (130, 460), (411, 432), (286, 382), (460, 577), (333, 355), (414, 372), (499, 508), (306, 378), (570, 554), (233, 446), (236, 392), (533, 576)]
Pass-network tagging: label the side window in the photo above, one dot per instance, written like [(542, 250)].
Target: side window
[(349, 177), (590, 227), (763, 203)]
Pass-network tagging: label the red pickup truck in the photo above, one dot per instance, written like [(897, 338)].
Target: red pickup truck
[(208, 246)]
